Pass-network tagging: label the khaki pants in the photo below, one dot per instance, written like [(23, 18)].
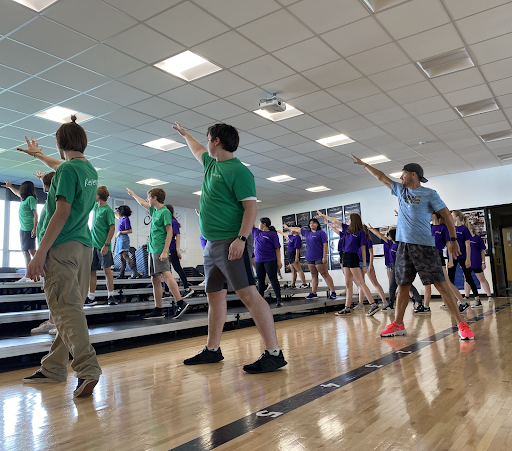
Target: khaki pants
[(66, 281)]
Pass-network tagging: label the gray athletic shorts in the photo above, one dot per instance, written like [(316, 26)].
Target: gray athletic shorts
[(221, 273), (101, 261), (26, 240), (412, 259), (156, 266)]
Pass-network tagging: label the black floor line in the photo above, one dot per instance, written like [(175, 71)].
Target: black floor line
[(244, 425)]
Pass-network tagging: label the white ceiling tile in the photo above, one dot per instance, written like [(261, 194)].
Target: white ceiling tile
[(291, 139), (92, 18), (502, 87), (468, 95), (142, 10), (413, 17), (324, 15), (456, 135), (488, 24), (228, 49), (321, 131), (332, 74), (314, 102), (74, 77), (37, 125), (508, 112), (13, 15), (158, 127), (296, 159), (281, 29), (437, 117), (307, 54), (112, 144), (349, 125), (379, 59), (249, 99), (497, 70), (189, 96), (432, 42), (424, 106), (20, 103), (334, 114), (152, 80), (187, 24), (223, 84), (485, 118), (357, 37), (89, 105), (463, 8), (458, 80), (491, 128), (367, 133), (290, 87), (21, 57), (17, 134), (307, 148), (145, 44), (354, 90), (299, 123), (397, 77), (263, 70), (104, 127), (505, 101), (411, 93), (135, 136), (387, 115), (270, 131), (403, 124), (119, 93), (493, 49), (128, 117), (257, 159), (238, 12), (448, 126), (157, 107), (107, 61), (262, 146), (464, 143), (220, 109), (371, 104), (10, 77), (44, 90), (247, 121)]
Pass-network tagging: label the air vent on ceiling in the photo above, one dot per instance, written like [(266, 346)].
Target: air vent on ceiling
[(446, 63), (482, 106), (496, 136), (507, 156), (378, 5)]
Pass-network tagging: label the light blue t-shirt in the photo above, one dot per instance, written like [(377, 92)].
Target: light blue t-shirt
[(415, 208)]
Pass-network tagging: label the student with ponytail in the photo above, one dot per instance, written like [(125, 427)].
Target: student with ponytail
[(478, 266), (293, 254)]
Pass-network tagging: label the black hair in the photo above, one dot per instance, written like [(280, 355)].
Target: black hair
[(268, 223), (392, 234), (171, 209), (317, 223), (27, 189), (227, 134), (124, 210)]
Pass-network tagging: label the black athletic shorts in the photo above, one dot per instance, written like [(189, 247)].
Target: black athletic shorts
[(291, 256), (443, 260), (412, 259), (350, 260), (477, 270)]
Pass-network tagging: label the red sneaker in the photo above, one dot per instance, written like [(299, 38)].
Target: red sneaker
[(465, 332), (393, 330)]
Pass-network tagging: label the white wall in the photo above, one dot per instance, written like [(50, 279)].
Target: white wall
[(473, 189)]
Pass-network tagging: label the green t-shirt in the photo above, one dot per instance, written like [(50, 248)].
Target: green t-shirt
[(26, 213), (102, 219), (158, 233), (225, 185), (39, 229), (76, 180)]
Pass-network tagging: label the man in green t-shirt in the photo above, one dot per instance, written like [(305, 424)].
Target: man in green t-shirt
[(160, 236), (226, 216), (64, 258), (102, 231)]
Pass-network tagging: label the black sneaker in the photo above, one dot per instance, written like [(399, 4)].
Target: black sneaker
[(181, 309), (112, 301), (312, 296), (155, 314), (279, 304), (187, 293), (89, 303), (477, 304), (463, 307), (346, 311), (121, 276), (205, 356), (266, 363), (38, 378), (85, 387), (373, 309), (422, 309), (135, 275)]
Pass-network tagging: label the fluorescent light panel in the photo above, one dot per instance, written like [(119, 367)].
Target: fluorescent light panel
[(151, 182), (317, 189), (62, 115), (496, 136), (36, 5), (336, 140), (396, 175), (197, 193), (505, 157), (164, 144), (378, 5), (482, 106), (281, 178), (288, 113), (188, 66), (446, 63), (376, 160)]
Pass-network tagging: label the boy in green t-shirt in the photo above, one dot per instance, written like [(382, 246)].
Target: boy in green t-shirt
[(160, 236), (102, 231), (64, 258), (226, 216)]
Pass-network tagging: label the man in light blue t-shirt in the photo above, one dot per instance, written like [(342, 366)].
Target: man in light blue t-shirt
[(416, 253)]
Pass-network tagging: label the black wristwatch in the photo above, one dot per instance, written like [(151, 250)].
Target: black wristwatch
[(452, 238), (242, 238)]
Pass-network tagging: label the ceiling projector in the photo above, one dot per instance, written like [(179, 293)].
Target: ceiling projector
[(273, 105)]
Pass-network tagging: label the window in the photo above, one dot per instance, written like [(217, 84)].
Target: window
[(2, 210)]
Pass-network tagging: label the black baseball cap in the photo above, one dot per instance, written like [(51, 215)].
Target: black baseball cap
[(415, 167)]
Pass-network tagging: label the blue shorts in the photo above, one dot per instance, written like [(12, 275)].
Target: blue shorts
[(122, 244), (361, 266)]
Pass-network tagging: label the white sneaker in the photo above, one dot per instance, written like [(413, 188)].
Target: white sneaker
[(43, 328), (359, 307), (53, 331), (24, 279), (490, 299), (201, 284)]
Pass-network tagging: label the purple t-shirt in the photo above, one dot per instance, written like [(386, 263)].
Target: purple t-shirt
[(463, 234), (315, 244), (124, 224), (477, 246), (369, 244), (392, 253), (294, 242), (265, 245), (352, 243), (203, 241), (387, 247), (441, 236), (175, 231), (343, 232)]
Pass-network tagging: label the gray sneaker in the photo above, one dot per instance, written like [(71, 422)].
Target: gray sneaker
[(344, 312), (359, 307), (477, 304), (373, 309)]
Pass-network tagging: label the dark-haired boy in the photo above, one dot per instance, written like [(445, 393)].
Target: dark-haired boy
[(103, 228), (160, 237), (229, 191)]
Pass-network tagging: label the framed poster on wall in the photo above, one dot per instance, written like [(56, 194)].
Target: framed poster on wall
[(336, 212), (289, 220), (349, 209), (477, 219), (303, 219), (314, 215)]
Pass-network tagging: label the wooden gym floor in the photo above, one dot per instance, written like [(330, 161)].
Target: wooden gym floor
[(344, 388)]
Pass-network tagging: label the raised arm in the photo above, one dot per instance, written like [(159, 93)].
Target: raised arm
[(379, 175), (282, 233), (35, 151), (194, 145), (139, 200), (377, 233), (329, 218), (292, 229), (334, 229), (13, 190)]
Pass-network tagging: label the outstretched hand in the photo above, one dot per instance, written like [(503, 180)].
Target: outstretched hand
[(357, 160), (39, 175), (129, 191), (32, 147), (320, 214), (179, 129), (7, 184)]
